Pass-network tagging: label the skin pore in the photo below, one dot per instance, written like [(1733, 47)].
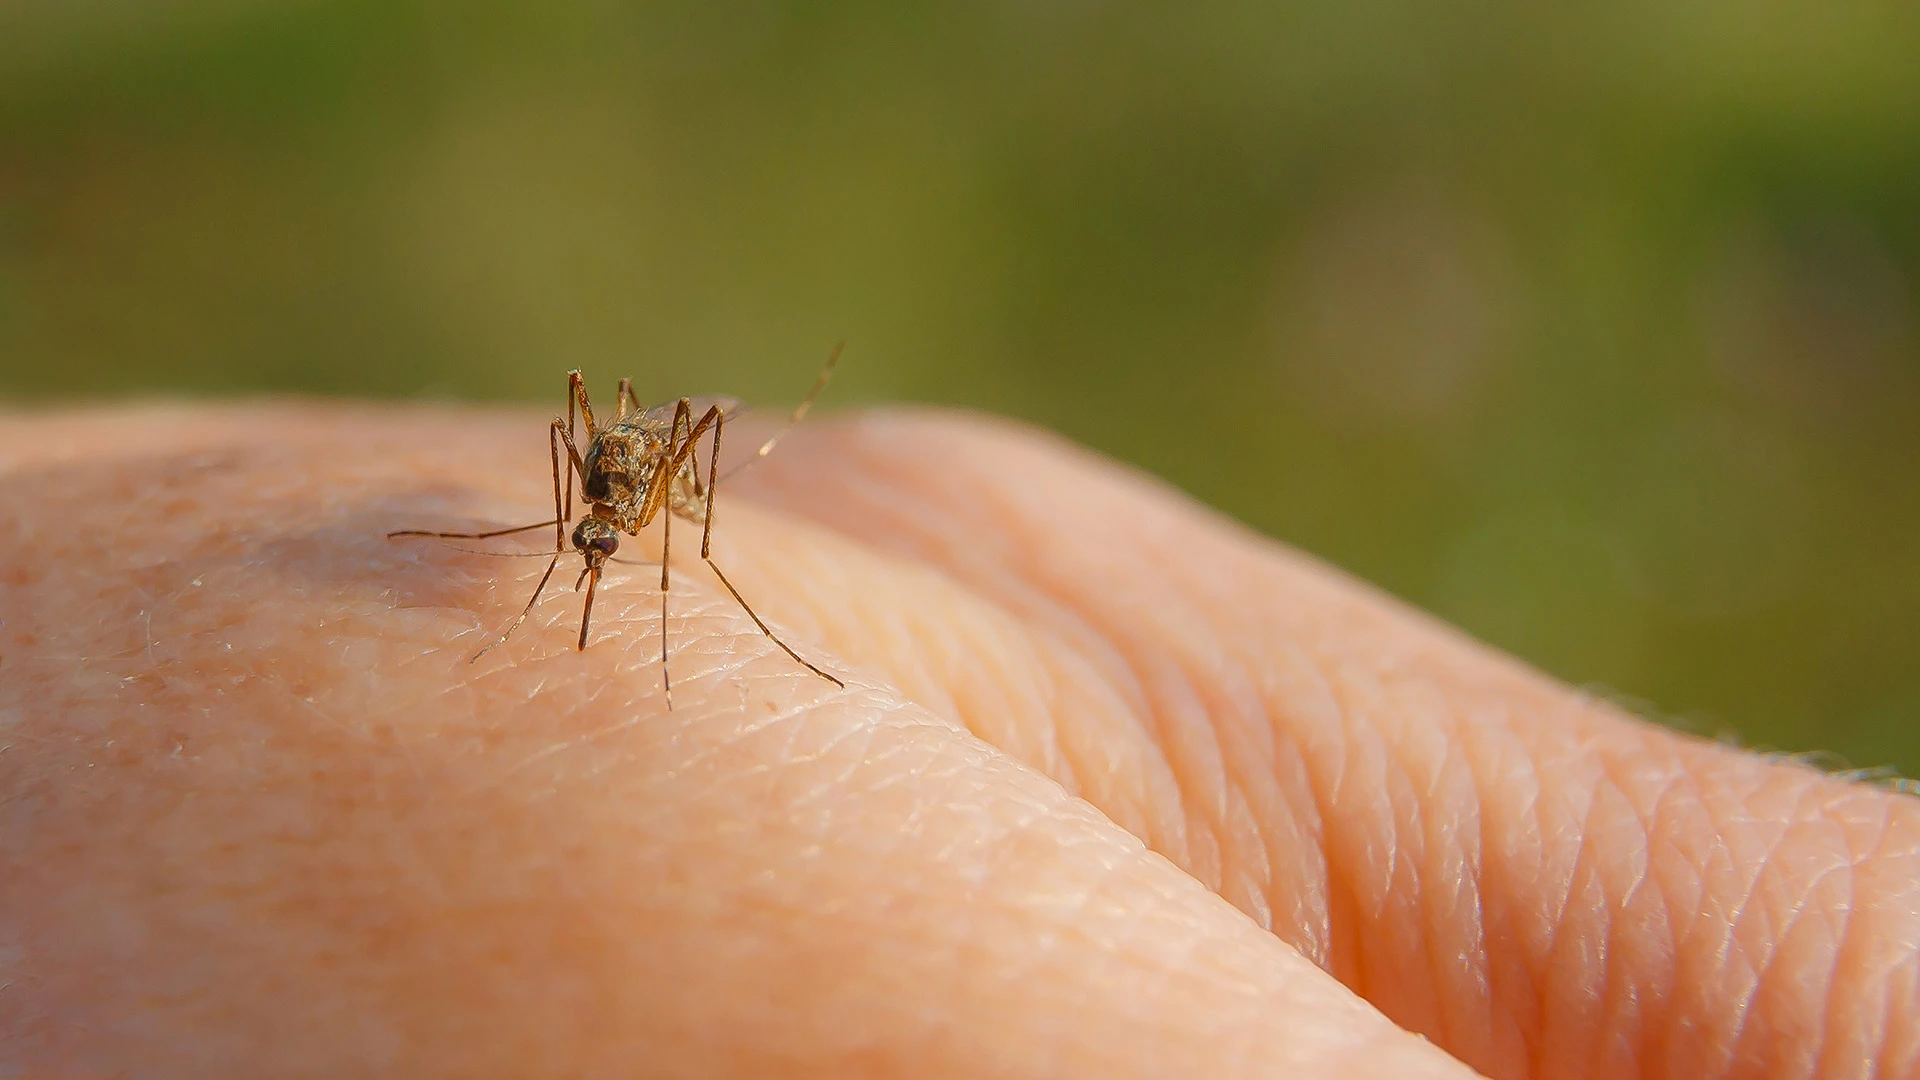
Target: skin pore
[(1115, 788)]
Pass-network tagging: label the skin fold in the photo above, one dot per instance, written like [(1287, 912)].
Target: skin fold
[(1116, 788)]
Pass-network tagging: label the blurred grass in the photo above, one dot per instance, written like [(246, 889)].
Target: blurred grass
[(1593, 328)]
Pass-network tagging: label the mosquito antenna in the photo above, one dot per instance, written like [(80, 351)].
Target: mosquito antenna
[(799, 413), (398, 533), (500, 554), (539, 555)]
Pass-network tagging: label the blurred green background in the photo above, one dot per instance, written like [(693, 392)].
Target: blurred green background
[(1591, 327)]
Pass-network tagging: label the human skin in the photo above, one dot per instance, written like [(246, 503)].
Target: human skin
[(1115, 788)]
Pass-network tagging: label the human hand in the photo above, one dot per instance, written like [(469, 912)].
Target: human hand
[(1115, 788)]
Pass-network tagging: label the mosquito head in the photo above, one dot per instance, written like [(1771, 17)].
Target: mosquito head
[(596, 539)]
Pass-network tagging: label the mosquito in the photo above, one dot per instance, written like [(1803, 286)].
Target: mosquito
[(644, 465)]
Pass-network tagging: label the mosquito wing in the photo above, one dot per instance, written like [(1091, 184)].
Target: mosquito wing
[(660, 416)]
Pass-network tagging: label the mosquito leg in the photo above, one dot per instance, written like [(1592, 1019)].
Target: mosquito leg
[(706, 553), (524, 612), (574, 459), (681, 451), (666, 559), (713, 481), (629, 398), (660, 484), (577, 396), (560, 514), (771, 636), (658, 496), (681, 455), (558, 520), (799, 412), (806, 403), (554, 436), (573, 394), (682, 418), (681, 436)]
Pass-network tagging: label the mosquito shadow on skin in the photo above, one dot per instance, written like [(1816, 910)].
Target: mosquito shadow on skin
[(352, 557), (351, 554), (198, 542), (182, 522)]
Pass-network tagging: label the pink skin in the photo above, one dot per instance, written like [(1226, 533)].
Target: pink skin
[(1116, 789)]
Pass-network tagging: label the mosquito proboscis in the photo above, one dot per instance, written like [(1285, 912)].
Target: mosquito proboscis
[(644, 464)]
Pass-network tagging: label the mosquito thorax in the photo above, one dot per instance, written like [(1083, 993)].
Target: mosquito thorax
[(609, 473), (619, 463)]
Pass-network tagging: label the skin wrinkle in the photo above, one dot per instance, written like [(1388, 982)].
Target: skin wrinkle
[(1202, 862), (1473, 1011), (1256, 813), (1182, 706), (1901, 1040), (1736, 787), (1739, 918), (904, 506), (1574, 963), (1847, 945), (1196, 753), (941, 631), (1177, 832), (1353, 750), (1591, 740), (1045, 686), (1640, 892), (1719, 944), (1007, 680), (1417, 825), (1358, 736), (1226, 787), (1149, 779), (1678, 886), (623, 611), (1493, 761), (1443, 845), (544, 681), (1786, 1048), (1646, 992), (1817, 1054), (751, 730), (1851, 949), (1377, 836), (1320, 740), (1383, 842), (1613, 795), (1799, 921), (1624, 868)]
